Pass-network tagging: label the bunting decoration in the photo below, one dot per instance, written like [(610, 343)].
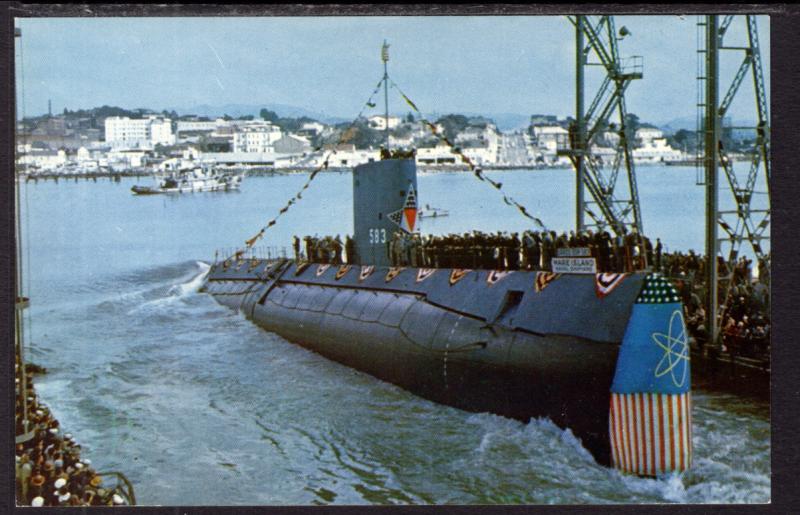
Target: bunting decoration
[(342, 271), (424, 273), (650, 416), (366, 271), (321, 269), (543, 279), (475, 169), (457, 274), (606, 283), (393, 272), (495, 275), (347, 134), (300, 268), (651, 432)]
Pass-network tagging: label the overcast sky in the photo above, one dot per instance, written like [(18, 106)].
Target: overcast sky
[(497, 64)]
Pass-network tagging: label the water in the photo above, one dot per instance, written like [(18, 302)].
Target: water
[(196, 405)]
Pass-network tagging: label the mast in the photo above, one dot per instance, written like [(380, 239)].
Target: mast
[(20, 302), (385, 59), (580, 126), (711, 128)]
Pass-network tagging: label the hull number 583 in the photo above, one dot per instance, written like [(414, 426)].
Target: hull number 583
[(377, 236)]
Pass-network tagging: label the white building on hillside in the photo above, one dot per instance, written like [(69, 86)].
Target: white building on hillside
[(201, 125), (646, 135), (550, 137), (147, 132), (312, 128), (378, 122), (441, 154), (257, 136), (487, 135)]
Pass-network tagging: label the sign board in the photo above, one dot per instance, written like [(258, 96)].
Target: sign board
[(573, 252), (574, 265)]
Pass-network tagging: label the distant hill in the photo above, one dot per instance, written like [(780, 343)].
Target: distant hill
[(504, 121), (689, 123), (237, 110)]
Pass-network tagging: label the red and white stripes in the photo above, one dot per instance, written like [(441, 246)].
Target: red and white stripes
[(650, 432)]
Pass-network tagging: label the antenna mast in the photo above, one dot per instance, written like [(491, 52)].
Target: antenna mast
[(385, 59)]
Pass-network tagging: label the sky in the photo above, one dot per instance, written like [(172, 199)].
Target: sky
[(330, 65)]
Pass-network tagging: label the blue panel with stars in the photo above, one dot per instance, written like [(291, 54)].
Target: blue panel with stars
[(654, 356)]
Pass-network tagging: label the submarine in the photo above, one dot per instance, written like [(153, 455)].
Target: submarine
[(603, 355)]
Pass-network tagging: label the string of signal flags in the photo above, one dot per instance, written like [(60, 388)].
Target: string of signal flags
[(348, 134), (476, 170)]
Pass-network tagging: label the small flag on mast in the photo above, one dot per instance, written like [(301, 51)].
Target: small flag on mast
[(385, 51)]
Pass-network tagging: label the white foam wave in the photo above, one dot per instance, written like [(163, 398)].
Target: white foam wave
[(177, 292), (194, 284)]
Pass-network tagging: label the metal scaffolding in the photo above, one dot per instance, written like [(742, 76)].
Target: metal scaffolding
[(749, 219), (604, 123)]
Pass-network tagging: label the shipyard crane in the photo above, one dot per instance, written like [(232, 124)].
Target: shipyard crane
[(749, 218), (605, 123)]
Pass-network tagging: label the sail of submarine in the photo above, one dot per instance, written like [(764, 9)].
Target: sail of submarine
[(604, 355)]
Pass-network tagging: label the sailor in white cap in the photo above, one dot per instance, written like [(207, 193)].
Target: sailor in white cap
[(64, 498)]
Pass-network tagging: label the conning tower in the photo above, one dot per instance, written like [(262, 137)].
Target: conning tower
[(384, 201)]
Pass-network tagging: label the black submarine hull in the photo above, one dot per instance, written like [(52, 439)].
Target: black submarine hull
[(501, 347)]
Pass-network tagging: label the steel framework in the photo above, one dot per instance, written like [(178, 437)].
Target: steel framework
[(749, 219), (611, 207)]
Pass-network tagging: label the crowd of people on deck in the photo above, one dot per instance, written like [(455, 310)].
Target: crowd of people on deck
[(531, 250), (326, 250), (745, 324), (501, 250), (49, 468)]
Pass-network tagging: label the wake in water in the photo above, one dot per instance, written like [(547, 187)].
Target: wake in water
[(171, 291)]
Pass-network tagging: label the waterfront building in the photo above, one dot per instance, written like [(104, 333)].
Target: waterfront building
[(291, 144), (441, 154), (255, 136), (200, 125), (146, 132), (652, 146), (550, 138), (124, 159), (42, 158), (483, 156)]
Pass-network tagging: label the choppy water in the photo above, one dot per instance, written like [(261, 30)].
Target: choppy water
[(196, 405)]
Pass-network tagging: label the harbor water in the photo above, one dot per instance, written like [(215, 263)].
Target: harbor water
[(196, 405)]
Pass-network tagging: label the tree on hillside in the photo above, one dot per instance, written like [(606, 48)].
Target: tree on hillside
[(453, 124), (683, 140), (270, 116)]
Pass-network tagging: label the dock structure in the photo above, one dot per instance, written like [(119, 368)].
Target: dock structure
[(596, 46), (749, 221)]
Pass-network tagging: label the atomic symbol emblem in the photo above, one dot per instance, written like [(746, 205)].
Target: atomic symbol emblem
[(675, 345)]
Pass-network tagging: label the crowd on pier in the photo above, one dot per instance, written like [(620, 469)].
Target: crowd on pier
[(745, 324), (49, 468)]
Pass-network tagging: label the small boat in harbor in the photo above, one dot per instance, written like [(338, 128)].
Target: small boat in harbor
[(433, 212), (192, 179)]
